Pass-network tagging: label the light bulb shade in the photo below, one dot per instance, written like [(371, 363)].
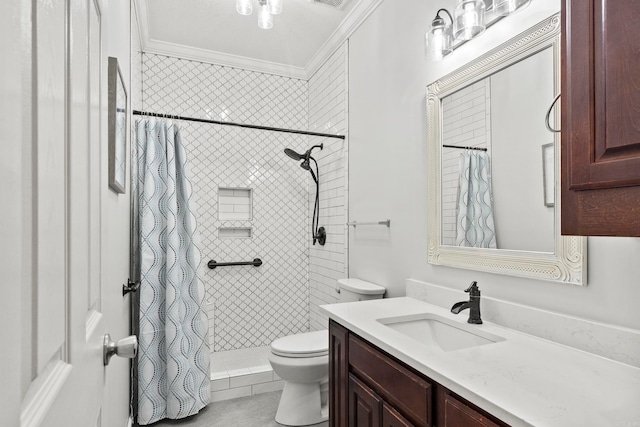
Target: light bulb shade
[(265, 20), (506, 7), (439, 39), (468, 19), (244, 7), (274, 6)]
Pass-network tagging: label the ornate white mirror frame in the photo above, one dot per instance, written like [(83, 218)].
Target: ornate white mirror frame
[(567, 264)]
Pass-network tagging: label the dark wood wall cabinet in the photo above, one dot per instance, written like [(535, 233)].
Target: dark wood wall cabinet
[(600, 179), (370, 388)]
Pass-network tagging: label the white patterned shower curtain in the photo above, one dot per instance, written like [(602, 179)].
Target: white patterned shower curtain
[(173, 357), (475, 225)]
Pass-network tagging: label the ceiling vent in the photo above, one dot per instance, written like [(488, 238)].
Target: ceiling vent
[(333, 3)]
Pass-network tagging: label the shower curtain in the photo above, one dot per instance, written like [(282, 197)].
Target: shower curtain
[(475, 226), (173, 357)]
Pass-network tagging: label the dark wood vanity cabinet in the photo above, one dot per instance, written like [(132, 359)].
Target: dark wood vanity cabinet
[(370, 388), (600, 179)]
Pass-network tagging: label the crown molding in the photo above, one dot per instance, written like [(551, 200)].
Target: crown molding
[(351, 23), (224, 59)]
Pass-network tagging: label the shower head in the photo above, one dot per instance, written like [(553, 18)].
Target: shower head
[(295, 156)]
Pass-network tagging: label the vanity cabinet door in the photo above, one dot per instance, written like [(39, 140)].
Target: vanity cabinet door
[(409, 393), (338, 375), (600, 179), (391, 418), (365, 407)]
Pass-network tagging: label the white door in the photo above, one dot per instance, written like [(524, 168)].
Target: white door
[(54, 314)]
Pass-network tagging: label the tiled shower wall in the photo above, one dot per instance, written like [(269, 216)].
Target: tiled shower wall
[(248, 306), (328, 113)]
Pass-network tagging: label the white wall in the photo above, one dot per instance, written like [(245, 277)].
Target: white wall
[(388, 171)]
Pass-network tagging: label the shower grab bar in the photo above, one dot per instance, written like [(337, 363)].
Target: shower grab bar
[(241, 125), (257, 262), (386, 222)]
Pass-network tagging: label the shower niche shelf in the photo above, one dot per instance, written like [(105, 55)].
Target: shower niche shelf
[(235, 204), (234, 232)]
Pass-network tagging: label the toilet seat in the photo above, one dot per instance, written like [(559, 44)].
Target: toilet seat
[(309, 344)]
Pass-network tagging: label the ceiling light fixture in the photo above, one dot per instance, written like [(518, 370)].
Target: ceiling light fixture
[(244, 7), (267, 8), (265, 19), (274, 6)]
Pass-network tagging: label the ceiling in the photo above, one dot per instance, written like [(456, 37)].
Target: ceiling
[(302, 37)]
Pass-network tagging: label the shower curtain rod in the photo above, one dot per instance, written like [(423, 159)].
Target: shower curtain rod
[(241, 125), (465, 148)]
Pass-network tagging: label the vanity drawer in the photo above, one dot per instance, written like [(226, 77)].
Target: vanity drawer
[(458, 414), (411, 395)]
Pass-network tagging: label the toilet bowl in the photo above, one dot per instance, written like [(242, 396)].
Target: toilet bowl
[(302, 361)]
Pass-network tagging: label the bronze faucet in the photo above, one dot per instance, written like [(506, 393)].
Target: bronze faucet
[(473, 304)]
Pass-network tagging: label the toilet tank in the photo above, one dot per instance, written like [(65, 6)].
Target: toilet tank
[(358, 290)]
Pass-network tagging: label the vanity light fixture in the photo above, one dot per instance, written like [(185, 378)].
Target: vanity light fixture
[(469, 19), (468, 22), (507, 7), (439, 37), (267, 8)]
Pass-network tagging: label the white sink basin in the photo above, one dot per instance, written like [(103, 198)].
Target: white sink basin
[(430, 328)]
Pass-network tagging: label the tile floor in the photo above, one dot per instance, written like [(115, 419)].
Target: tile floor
[(253, 411)]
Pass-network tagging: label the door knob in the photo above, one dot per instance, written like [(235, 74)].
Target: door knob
[(126, 347)]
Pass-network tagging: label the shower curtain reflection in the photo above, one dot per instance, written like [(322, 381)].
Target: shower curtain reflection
[(475, 224)]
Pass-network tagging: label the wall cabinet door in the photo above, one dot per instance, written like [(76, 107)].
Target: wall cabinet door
[(365, 407), (600, 188)]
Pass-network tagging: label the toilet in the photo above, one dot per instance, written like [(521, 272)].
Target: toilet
[(302, 361)]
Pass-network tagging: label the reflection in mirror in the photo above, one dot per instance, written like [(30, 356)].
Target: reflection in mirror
[(492, 171), (491, 192)]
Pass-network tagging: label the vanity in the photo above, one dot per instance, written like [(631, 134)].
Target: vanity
[(405, 362)]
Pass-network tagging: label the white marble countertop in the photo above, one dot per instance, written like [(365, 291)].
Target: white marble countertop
[(523, 380)]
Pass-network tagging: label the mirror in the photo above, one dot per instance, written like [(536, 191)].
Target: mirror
[(494, 166)]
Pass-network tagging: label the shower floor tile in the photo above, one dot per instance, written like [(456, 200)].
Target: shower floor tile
[(241, 362)]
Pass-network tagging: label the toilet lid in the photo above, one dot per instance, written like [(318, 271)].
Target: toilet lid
[(309, 344)]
